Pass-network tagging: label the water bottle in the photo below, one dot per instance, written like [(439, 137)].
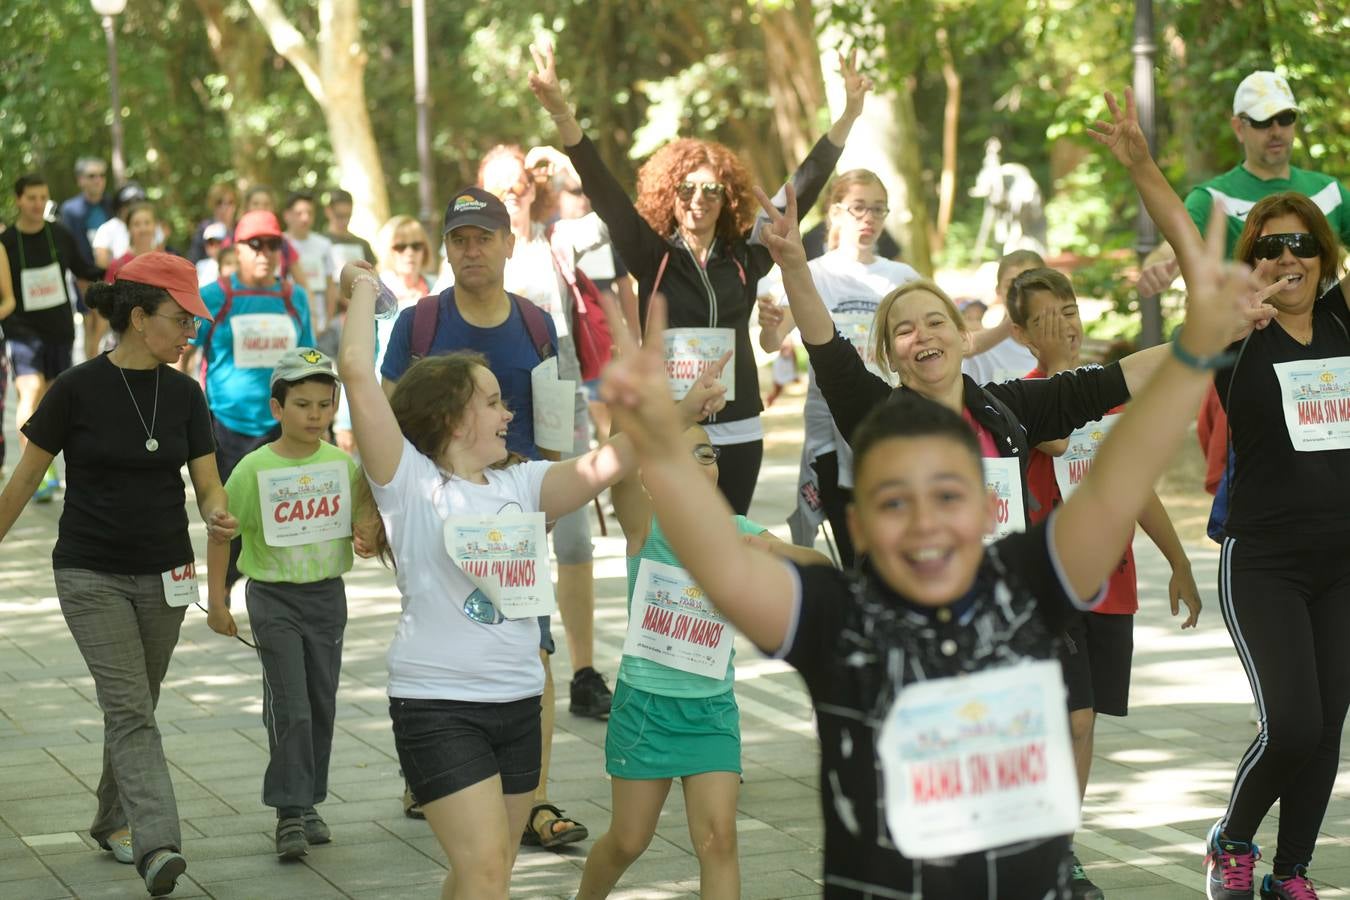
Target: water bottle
[(386, 304)]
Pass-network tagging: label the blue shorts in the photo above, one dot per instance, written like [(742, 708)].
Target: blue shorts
[(35, 356)]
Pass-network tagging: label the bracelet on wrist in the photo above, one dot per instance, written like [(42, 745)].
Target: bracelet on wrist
[(562, 116), (1199, 363)]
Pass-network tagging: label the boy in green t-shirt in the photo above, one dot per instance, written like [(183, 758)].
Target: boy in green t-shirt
[(293, 500)]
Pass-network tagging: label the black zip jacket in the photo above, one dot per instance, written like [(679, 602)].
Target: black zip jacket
[(1019, 414), (720, 296)]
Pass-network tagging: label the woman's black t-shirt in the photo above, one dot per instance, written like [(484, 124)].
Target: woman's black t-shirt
[(1278, 494), (124, 506)]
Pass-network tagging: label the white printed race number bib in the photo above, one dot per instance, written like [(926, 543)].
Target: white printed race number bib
[(261, 338), (856, 327), (1077, 459), (1315, 394), (506, 557), (554, 404), (180, 585), (1003, 478), (43, 288), (671, 622), (689, 351), (979, 761), (305, 504)]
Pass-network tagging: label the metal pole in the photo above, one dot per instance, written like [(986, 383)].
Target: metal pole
[(426, 187), (119, 168), (1150, 308)]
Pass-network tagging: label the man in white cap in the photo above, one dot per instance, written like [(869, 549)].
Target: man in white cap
[(1265, 119)]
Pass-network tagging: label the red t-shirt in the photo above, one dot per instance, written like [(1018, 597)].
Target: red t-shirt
[(116, 266), (1211, 427), (1122, 589)]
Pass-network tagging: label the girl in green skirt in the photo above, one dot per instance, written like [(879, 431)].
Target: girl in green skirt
[(674, 713)]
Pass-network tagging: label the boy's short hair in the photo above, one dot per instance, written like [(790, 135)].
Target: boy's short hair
[(32, 179), (1016, 259), (906, 414), (338, 195), (299, 197), (1042, 279)]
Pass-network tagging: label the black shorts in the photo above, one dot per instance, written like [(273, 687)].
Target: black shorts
[(37, 356), (1096, 656), (445, 746)]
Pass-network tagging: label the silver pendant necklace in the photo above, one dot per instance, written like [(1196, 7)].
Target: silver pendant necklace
[(150, 443)]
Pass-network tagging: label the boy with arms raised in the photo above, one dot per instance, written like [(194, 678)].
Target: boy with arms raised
[(293, 500), (928, 603), (1099, 648)]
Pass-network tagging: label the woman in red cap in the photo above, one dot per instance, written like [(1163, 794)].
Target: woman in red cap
[(127, 421)]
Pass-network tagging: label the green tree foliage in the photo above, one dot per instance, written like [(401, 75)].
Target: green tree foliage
[(641, 71)]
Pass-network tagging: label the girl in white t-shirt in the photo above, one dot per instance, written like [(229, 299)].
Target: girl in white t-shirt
[(851, 279), (464, 680)]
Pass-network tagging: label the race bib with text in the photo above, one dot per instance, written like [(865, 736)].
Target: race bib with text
[(672, 623), (260, 339), (506, 557), (305, 504), (690, 351)]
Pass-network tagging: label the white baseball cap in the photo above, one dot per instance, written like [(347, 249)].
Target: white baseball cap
[(1262, 95)]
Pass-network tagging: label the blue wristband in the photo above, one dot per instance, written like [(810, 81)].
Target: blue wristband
[(1200, 363)]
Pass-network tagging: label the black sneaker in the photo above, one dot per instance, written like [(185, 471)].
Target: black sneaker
[(591, 697), (1081, 887)]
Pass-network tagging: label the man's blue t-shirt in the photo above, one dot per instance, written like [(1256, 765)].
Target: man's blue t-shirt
[(510, 354), (82, 219), (238, 391)]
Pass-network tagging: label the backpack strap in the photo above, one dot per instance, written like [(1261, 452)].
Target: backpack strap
[(227, 289), (425, 318), (536, 326)]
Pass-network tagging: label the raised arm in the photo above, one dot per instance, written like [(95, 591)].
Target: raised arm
[(1126, 141), (377, 432), (1095, 524), (752, 588), (640, 246)]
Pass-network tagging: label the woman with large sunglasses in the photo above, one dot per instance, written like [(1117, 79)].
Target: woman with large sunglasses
[(688, 234), (1284, 575)]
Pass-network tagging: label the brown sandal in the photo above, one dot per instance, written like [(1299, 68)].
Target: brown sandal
[(549, 836)]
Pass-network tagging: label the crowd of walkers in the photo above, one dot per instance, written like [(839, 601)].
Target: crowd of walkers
[(446, 406)]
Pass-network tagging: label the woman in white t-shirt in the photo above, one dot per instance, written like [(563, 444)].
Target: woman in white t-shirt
[(851, 279), (464, 680)]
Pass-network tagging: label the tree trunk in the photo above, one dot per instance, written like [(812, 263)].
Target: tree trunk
[(335, 78), (241, 51), (795, 82), (951, 117), (908, 162)]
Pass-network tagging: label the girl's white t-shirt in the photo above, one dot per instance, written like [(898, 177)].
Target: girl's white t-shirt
[(438, 652), (847, 287)]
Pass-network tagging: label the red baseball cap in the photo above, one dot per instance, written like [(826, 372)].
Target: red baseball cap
[(257, 223), (172, 273)]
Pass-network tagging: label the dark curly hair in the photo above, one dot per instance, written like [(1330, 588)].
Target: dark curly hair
[(116, 301), (671, 164)]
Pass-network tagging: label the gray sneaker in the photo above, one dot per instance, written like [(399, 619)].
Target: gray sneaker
[(162, 870), (291, 840)]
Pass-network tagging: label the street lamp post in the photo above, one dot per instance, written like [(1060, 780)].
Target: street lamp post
[(426, 186), (1150, 308), (108, 9)]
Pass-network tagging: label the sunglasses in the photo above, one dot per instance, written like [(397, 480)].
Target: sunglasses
[(264, 245), (711, 190), (1301, 244), (417, 245), (707, 454), (1283, 119)]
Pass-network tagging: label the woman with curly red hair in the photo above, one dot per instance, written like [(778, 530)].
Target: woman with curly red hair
[(689, 234)]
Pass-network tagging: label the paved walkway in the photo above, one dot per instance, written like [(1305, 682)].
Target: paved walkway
[(1161, 776)]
